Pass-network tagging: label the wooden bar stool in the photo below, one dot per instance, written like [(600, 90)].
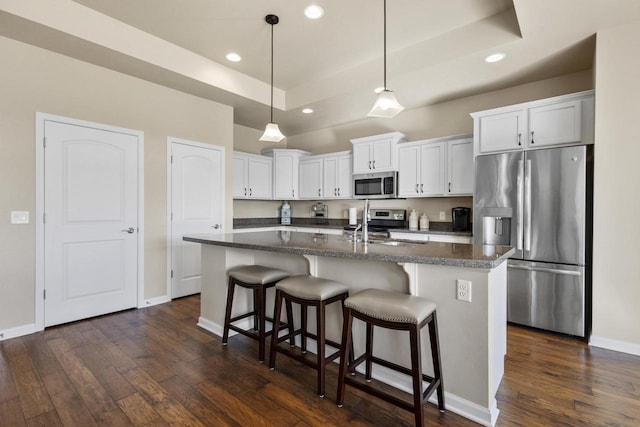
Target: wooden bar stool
[(399, 312), (258, 278), (307, 291)]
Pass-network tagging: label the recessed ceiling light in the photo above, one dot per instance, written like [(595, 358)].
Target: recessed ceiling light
[(495, 57), (378, 89), (307, 110), (313, 11), (233, 57)]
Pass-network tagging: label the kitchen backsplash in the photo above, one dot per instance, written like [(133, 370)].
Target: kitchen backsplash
[(338, 208)]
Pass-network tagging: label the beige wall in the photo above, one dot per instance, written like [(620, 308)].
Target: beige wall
[(447, 118), (616, 266), (31, 80)]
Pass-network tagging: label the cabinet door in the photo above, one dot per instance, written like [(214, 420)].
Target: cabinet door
[(383, 155), (409, 171), (330, 178), (260, 178), (310, 179), (344, 177), (362, 158), (240, 188), (460, 168), (432, 169), (502, 131), (285, 176), (553, 124)]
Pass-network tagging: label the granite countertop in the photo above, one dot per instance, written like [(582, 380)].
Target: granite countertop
[(438, 253), (435, 227)]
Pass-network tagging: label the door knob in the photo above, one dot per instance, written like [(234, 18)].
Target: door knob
[(129, 230), (216, 226)]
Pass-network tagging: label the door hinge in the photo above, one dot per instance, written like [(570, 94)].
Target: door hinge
[(172, 274), (44, 294)]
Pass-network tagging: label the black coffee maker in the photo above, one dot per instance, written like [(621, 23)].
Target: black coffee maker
[(461, 219)]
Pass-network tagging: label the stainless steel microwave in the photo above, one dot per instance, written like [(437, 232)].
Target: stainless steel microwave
[(379, 185)]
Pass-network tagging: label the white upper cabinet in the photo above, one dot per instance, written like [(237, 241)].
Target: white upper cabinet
[(501, 131), (559, 123), (286, 164), (252, 176), (424, 167), (376, 153), (337, 176), (311, 178), (562, 120), (460, 167)]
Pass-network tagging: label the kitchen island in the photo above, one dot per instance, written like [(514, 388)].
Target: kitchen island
[(472, 334)]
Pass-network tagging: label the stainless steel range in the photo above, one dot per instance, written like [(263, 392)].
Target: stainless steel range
[(387, 219)]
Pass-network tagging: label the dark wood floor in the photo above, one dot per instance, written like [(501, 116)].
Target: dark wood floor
[(154, 367)]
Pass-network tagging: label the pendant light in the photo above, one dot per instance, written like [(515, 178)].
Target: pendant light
[(272, 131), (386, 104)]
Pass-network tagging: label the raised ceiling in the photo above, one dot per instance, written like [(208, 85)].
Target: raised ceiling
[(436, 49)]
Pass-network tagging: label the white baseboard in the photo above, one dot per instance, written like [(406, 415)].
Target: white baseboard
[(155, 301), (217, 329), (615, 345), (463, 407), (18, 331)]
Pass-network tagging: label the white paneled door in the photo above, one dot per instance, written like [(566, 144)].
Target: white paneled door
[(197, 206), (91, 222)]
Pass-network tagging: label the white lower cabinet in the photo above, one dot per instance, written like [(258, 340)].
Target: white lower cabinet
[(425, 237)]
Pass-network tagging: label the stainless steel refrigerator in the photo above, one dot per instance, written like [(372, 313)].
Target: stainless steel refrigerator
[(540, 203)]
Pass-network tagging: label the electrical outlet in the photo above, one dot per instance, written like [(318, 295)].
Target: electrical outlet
[(442, 216), (463, 290)]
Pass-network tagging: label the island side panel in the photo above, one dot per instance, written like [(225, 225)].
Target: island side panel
[(216, 260), (463, 329)]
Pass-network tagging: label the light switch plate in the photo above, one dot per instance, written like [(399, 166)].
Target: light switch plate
[(19, 217)]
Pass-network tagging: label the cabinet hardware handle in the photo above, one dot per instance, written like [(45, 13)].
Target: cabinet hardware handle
[(532, 141), (519, 136), (422, 188), (319, 192), (417, 188), (338, 191), (369, 164), (374, 164), (245, 191), (335, 191), (250, 191), (129, 230), (293, 193), (449, 187)]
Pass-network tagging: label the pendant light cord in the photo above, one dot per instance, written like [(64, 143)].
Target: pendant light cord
[(385, 44), (271, 121)]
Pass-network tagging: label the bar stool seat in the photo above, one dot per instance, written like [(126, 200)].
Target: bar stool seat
[(395, 311), (258, 278), (307, 291)]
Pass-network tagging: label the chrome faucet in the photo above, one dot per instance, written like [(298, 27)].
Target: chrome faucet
[(366, 217)]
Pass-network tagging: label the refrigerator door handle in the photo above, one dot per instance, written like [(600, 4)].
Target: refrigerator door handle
[(527, 201), (520, 204), (546, 270)]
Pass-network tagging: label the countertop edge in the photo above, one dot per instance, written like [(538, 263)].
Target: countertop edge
[(453, 262)]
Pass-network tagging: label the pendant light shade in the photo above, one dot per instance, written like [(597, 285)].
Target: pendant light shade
[(386, 104), (272, 131)]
